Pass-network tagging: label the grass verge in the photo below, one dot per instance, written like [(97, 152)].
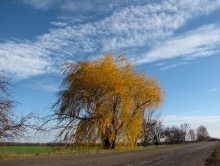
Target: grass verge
[(214, 158), (27, 151)]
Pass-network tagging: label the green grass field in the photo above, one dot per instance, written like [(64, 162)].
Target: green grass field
[(21, 151), (8, 151)]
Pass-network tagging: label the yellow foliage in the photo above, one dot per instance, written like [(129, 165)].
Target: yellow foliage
[(107, 100)]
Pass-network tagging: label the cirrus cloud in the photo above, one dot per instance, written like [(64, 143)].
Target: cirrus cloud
[(204, 41), (142, 32)]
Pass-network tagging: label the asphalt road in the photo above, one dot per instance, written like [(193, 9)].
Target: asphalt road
[(193, 154)]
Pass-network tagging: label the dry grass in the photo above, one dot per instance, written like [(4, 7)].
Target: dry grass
[(214, 159)]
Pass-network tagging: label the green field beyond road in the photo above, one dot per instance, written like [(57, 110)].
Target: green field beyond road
[(31, 150), (6, 151), (19, 151)]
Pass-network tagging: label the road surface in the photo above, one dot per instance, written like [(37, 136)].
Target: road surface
[(193, 154)]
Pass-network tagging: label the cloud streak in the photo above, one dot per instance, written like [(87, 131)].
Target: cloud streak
[(137, 31), (40, 4), (25, 59), (196, 120), (43, 84), (204, 41), (213, 90)]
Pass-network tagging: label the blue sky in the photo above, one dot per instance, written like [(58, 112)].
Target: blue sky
[(176, 41)]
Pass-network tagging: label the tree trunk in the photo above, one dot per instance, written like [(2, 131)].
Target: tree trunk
[(106, 144), (113, 144)]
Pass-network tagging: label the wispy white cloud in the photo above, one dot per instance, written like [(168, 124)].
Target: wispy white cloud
[(73, 5), (43, 84), (40, 4), (81, 6), (172, 65), (204, 41), (58, 23), (25, 59), (213, 90), (130, 30), (196, 120)]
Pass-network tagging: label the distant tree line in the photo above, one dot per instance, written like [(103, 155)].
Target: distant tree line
[(154, 132)]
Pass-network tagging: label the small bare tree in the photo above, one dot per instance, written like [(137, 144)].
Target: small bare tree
[(11, 126), (173, 134), (192, 134), (152, 128), (185, 127), (177, 134), (202, 133)]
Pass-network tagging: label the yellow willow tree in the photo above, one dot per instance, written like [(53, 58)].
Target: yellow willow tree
[(103, 101)]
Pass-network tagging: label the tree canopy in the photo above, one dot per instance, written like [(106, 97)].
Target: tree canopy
[(202, 133), (104, 101)]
